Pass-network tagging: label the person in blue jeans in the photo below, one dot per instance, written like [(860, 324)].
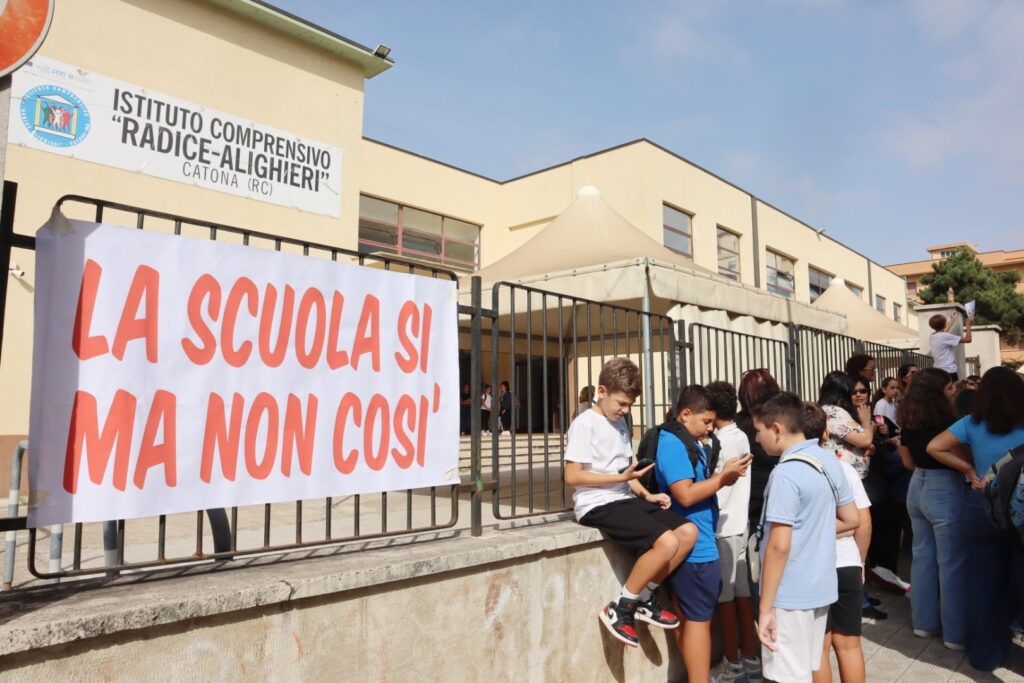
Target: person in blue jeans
[(995, 565), (935, 501)]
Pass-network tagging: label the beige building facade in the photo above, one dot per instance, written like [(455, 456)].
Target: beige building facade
[(252, 61)]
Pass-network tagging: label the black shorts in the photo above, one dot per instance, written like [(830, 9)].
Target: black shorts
[(844, 614), (633, 523)]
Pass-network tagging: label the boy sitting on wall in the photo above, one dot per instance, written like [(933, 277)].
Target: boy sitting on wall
[(683, 469), (609, 497)]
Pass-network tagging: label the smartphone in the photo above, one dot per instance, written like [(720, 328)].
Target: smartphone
[(879, 420), (640, 464)]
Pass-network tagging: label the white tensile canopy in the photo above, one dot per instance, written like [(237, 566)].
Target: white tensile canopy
[(864, 321), (590, 251)]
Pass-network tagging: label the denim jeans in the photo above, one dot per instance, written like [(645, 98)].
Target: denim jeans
[(996, 567), (936, 502)]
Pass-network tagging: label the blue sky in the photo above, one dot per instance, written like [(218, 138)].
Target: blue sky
[(893, 125)]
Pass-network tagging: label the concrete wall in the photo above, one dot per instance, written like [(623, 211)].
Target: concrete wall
[(203, 54), (515, 605), (985, 345)]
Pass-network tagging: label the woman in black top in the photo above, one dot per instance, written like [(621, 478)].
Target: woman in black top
[(755, 387), (936, 502)]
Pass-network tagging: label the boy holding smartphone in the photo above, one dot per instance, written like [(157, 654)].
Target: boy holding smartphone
[(682, 468)]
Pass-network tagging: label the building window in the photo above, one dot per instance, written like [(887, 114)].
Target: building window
[(678, 232), (880, 303), (912, 287), (945, 253), (859, 291), (819, 281), (897, 313), (728, 254), (390, 228), (780, 274)]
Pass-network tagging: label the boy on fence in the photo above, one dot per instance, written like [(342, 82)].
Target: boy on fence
[(735, 609), (682, 468), (943, 343), (807, 502), (609, 497)]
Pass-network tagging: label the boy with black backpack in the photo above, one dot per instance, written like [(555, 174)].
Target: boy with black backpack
[(609, 497), (683, 468)]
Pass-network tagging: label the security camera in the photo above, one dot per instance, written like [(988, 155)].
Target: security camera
[(16, 271)]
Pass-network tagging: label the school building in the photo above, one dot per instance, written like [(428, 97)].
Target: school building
[(235, 112)]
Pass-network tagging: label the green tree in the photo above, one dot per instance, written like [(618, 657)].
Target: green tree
[(998, 301)]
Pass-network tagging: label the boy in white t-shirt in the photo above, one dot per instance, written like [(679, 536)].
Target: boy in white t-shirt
[(943, 343), (843, 624), (609, 497), (735, 611)]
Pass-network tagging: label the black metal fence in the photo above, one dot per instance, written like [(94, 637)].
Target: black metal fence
[(241, 531), (548, 347)]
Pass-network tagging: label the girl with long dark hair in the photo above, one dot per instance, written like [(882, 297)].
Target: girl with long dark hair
[(936, 502), (850, 430), (756, 386)]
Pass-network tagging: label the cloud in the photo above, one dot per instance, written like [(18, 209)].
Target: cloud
[(980, 56)]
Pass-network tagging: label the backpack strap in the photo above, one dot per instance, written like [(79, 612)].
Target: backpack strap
[(795, 457)]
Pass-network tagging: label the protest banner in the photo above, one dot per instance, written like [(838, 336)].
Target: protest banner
[(174, 374)]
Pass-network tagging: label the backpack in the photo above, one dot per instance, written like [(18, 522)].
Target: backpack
[(648, 450), (1003, 493)]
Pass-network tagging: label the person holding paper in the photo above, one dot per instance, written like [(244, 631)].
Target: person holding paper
[(943, 342)]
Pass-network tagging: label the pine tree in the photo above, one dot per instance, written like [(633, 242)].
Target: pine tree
[(998, 301)]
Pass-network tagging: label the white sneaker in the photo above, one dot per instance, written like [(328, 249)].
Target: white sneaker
[(752, 667), (727, 672), (923, 633), (889, 579)]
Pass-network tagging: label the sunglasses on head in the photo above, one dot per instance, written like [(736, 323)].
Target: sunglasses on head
[(860, 391)]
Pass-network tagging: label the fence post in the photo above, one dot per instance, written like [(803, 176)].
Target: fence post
[(681, 347), (475, 381), (14, 498), (793, 351)]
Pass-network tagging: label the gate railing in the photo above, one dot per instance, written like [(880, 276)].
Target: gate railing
[(239, 531), (550, 348)]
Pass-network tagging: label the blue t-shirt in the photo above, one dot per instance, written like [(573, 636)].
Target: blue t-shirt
[(986, 446), (672, 465), (798, 495)]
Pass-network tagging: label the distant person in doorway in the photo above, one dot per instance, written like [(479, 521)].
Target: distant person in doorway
[(586, 399), (486, 400), (465, 406), (505, 407)]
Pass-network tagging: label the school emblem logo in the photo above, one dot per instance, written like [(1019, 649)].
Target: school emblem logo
[(55, 116)]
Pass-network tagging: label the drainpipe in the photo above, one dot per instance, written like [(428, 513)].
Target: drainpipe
[(648, 351)]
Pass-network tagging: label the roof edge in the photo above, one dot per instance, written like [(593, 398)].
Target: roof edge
[(272, 17)]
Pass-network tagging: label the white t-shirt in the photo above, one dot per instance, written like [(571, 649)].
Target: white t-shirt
[(847, 552), (485, 398), (886, 409), (943, 346), (733, 501), (601, 446)]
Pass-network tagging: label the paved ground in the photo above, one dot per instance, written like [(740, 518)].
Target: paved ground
[(893, 653)]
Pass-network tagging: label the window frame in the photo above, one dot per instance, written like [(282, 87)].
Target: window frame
[(665, 227), (781, 291), (897, 312), (860, 290), (400, 231), (811, 270), (718, 247), (880, 303)]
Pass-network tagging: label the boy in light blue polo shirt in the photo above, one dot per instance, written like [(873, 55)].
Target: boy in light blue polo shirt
[(692, 486), (806, 505)]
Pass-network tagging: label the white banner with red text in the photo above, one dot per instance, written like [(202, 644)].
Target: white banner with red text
[(173, 374)]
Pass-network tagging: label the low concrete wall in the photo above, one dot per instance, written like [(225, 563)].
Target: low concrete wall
[(519, 604)]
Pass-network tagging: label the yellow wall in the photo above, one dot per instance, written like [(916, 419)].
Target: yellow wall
[(203, 54)]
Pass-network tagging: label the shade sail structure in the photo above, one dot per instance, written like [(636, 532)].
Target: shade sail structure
[(590, 251), (863, 321)]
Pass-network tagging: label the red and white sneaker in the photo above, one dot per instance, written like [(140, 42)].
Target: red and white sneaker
[(653, 613), (619, 619)]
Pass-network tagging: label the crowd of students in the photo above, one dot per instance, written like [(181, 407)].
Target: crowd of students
[(761, 511)]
